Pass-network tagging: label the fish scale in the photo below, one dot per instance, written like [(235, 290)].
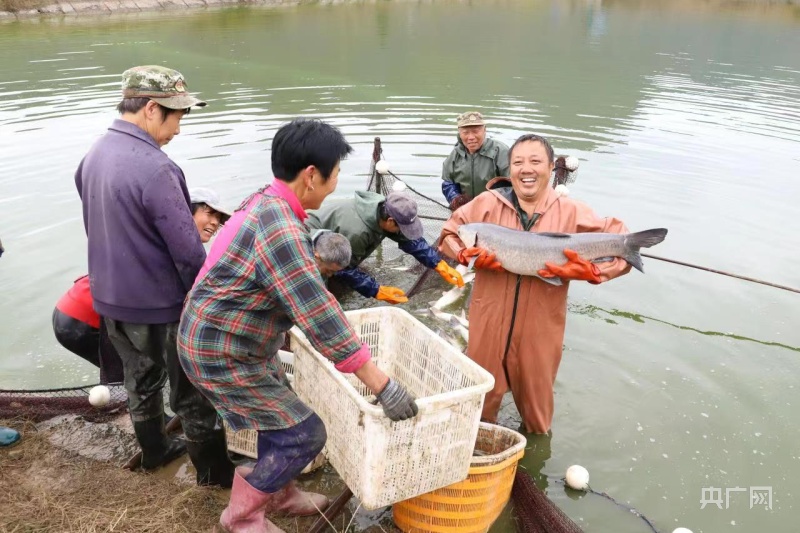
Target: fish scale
[(526, 253)]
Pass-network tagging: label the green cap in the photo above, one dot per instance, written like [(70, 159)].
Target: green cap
[(163, 85)]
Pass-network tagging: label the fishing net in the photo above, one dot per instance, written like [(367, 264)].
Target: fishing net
[(534, 511), (42, 404), (37, 405), (433, 213)]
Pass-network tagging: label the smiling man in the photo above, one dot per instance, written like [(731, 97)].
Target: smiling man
[(516, 323), (145, 251), (474, 161)]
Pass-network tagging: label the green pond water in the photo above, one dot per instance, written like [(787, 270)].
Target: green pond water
[(685, 115)]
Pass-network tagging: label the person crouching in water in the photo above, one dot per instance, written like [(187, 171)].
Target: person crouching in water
[(259, 280), (332, 251), (78, 328), (366, 220)]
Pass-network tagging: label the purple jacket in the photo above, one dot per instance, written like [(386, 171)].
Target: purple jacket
[(144, 247)]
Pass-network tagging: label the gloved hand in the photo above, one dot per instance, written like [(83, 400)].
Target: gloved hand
[(397, 403), (393, 295), (576, 267), (485, 259), (449, 274), (458, 201)]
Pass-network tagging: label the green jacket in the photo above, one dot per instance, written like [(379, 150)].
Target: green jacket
[(356, 219), (471, 172)]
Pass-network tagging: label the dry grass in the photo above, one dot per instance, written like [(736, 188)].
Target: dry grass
[(22, 5), (44, 488)]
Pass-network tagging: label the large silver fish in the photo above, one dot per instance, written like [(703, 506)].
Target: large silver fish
[(525, 253)]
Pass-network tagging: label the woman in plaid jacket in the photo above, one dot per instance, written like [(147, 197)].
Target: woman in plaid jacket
[(259, 280)]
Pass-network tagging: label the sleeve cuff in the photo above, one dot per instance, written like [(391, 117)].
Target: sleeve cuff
[(355, 361)]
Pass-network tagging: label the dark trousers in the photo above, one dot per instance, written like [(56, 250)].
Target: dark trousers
[(90, 343), (149, 354), (284, 453)]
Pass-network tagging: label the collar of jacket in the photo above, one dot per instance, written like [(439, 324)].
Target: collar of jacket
[(278, 188), (129, 128), (505, 194), (367, 203), (488, 148)]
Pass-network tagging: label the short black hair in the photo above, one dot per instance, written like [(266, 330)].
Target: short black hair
[(532, 137), (134, 105), (303, 142)]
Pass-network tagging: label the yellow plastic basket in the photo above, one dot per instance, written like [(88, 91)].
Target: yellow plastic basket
[(472, 505)]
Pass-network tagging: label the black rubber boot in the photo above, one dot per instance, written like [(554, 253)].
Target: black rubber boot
[(210, 459), (157, 449)]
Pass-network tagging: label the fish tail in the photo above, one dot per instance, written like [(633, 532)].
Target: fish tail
[(641, 239)]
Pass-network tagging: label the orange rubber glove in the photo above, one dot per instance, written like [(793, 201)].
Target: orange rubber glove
[(485, 259), (392, 295), (576, 267), (449, 274)]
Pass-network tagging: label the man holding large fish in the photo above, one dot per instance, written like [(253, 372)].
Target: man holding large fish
[(517, 238)]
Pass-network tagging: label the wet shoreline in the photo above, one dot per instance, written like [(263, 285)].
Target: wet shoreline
[(28, 8), (107, 7)]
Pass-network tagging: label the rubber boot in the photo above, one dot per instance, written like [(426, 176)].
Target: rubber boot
[(246, 511), (211, 461), (293, 501), (157, 449)]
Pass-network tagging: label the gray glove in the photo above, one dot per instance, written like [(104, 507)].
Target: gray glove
[(397, 403)]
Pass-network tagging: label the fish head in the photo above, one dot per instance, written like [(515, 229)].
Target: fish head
[(468, 235)]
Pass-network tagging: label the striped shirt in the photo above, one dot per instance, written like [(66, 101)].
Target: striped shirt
[(235, 318)]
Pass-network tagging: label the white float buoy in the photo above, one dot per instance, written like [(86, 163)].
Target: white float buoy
[(99, 396), (398, 186), (577, 477), (571, 162), (382, 167), (681, 530), (561, 190)]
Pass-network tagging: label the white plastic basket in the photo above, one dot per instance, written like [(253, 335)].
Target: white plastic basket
[(384, 462), (245, 442)]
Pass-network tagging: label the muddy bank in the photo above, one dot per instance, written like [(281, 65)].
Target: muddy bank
[(22, 9), (65, 475), (16, 9)]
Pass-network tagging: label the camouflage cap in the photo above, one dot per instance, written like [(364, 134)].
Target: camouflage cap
[(161, 84), (470, 118)]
